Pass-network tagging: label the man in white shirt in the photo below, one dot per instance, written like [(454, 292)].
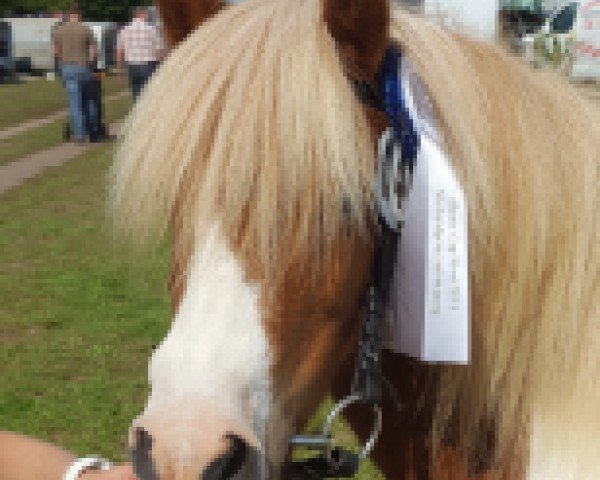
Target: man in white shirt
[(139, 44)]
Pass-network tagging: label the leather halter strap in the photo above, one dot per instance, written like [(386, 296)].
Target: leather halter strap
[(386, 95)]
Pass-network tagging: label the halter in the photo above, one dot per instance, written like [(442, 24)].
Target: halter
[(398, 149)]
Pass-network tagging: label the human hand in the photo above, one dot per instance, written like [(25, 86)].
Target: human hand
[(121, 472)]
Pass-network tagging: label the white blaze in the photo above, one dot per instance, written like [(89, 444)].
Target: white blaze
[(217, 349)]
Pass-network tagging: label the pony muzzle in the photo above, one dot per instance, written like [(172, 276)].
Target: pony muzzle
[(172, 446)]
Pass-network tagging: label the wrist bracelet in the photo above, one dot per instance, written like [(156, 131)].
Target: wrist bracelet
[(87, 463)]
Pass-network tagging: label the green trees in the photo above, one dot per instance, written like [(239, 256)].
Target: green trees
[(113, 10)]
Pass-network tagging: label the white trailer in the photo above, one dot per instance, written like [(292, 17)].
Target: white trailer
[(32, 38)]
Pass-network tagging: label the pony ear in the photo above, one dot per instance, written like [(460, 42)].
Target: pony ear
[(181, 17), (360, 28)]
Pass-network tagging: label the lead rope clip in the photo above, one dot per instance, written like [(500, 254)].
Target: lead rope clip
[(334, 462)]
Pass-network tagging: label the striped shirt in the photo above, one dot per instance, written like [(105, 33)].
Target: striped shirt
[(140, 42)]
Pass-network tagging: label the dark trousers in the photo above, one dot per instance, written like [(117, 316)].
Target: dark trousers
[(139, 74), (92, 96)]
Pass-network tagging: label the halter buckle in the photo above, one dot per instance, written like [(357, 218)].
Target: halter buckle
[(333, 462), (338, 409)]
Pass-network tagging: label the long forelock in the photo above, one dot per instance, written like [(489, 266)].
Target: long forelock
[(252, 123)]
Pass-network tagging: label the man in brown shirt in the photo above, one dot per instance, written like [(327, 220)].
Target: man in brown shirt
[(75, 46)]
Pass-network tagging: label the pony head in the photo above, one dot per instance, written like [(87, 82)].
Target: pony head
[(252, 147), (257, 154)]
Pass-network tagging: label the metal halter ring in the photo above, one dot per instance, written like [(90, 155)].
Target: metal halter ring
[(339, 408)]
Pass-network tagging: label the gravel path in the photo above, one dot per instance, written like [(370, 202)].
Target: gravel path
[(38, 122), (17, 172)]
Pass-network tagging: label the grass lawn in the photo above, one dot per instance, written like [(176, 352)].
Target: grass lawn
[(37, 98), (78, 315), (50, 135)]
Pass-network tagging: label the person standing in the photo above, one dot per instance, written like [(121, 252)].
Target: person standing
[(140, 46), (75, 46)]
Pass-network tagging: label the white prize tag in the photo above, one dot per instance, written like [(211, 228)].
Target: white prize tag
[(428, 311)]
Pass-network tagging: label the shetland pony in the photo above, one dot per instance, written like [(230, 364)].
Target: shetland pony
[(252, 147)]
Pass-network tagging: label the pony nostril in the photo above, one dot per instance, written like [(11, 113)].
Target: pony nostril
[(227, 465), (141, 456), (143, 440)]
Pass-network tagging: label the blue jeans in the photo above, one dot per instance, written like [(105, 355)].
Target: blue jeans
[(73, 77), (139, 74)]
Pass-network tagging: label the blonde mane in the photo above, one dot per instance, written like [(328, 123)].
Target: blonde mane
[(526, 146), (251, 122)]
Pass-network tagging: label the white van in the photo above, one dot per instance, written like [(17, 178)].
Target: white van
[(105, 34)]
